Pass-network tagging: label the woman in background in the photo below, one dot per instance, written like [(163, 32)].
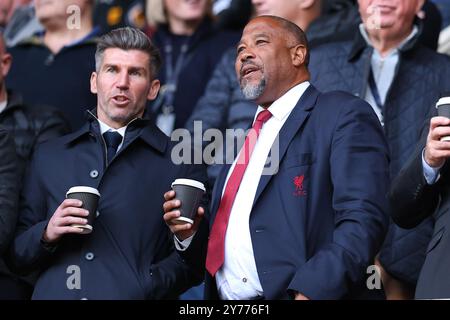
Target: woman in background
[(191, 45)]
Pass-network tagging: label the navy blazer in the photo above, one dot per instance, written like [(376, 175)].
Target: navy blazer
[(318, 222), (130, 253)]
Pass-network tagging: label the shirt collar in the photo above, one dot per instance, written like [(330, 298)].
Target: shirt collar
[(104, 128), (3, 105), (365, 35), (282, 107)]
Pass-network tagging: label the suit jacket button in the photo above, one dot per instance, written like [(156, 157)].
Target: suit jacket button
[(89, 256), (93, 174)]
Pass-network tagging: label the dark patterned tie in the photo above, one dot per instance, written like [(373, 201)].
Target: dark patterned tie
[(112, 139)]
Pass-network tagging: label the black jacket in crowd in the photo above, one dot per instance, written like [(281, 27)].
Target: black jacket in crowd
[(31, 125), (9, 189), (28, 126)]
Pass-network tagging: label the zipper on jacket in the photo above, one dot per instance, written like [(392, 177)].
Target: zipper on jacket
[(104, 143)]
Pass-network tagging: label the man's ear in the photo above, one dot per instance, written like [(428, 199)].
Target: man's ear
[(420, 4), (154, 88), (94, 82), (299, 53), (6, 64), (306, 4)]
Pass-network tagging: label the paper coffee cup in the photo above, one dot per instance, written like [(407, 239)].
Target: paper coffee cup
[(443, 108), (190, 193), (89, 196)]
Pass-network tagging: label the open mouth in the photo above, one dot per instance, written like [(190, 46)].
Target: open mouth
[(121, 100), (247, 70)]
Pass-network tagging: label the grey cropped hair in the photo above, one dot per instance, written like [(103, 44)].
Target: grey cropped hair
[(128, 39)]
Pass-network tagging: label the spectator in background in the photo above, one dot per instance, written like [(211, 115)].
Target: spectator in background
[(444, 41), (322, 21), (53, 68), (5, 6), (232, 14), (444, 37), (388, 66), (9, 196), (444, 8), (223, 106), (111, 14), (431, 19), (28, 126), (23, 23), (191, 47)]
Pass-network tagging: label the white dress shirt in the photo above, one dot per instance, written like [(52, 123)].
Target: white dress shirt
[(238, 277), (104, 128), (3, 105)]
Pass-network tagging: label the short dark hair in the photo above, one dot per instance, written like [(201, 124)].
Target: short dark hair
[(293, 29), (128, 39)]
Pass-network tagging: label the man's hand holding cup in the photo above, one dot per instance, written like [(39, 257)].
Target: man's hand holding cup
[(437, 150), (182, 207)]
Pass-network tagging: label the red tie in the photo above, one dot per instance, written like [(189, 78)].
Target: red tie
[(216, 245)]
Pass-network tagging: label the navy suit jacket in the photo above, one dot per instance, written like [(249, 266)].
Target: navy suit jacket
[(319, 221)]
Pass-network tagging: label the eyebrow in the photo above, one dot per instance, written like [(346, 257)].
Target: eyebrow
[(137, 69), (130, 68), (258, 35), (261, 35)]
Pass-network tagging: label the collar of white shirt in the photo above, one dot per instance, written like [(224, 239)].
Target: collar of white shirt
[(104, 128), (283, 106), (3, 105)]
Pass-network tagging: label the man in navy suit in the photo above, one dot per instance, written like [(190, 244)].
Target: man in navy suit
[(310, 228), (120, 152), (421, 190)]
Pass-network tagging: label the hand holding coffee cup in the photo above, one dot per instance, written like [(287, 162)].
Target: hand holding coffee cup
[(443, 109), (171, 208), (89, 197), (189, 192), (436, 150)]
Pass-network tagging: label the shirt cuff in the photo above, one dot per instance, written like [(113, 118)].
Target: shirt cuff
[(182, 245), (431, 174)]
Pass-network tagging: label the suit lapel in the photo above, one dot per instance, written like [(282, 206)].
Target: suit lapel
[(295, 121), (217, 191)]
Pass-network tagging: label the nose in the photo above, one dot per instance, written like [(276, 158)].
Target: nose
[(246, 54), (123, 82)]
